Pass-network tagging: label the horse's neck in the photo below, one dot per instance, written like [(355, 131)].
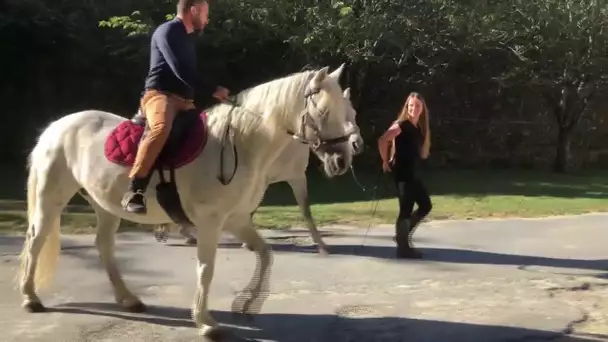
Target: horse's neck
[(258, 142), (265, 144), (283, 100), (263, 117), (294, 155)]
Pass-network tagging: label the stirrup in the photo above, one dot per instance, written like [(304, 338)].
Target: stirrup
[(127, 202)]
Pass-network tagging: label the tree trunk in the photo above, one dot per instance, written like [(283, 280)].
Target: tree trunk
[(562, 156)]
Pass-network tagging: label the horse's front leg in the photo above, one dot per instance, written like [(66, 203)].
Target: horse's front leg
[(252, 297), (107, 225), (208, 239), (300, 192)]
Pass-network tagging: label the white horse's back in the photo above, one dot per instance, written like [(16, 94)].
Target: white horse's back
[(74, 134)]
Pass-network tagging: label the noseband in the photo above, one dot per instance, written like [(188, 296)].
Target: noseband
[(307, 122)]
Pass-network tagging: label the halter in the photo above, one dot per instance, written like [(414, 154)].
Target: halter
[(306, 121)]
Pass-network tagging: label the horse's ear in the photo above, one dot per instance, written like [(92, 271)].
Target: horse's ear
[(319, 77), (346, 93), (336, 73)]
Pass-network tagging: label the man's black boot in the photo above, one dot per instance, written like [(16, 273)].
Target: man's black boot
[(134, 201)]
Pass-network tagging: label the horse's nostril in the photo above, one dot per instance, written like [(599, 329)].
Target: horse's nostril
[(357, 147), (341, 163)]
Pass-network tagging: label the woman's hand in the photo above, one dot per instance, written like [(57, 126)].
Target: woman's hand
[(386, 167)]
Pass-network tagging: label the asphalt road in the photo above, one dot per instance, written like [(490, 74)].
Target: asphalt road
[(486, 281)]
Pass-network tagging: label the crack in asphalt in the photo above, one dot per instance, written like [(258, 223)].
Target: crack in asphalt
[(585, 316), (553, 292), (553, 336)]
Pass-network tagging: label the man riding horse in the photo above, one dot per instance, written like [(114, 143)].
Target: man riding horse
[(169, 89)]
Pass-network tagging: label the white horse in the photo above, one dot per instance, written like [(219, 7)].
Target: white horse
[(68, 158), (290, 167)]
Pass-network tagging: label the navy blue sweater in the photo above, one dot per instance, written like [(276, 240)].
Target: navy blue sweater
[(173, 62)]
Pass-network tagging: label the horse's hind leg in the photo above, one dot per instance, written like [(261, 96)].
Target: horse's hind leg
[(107, 225), (49, 191), (40, 254), (161, 232), (188, 233)]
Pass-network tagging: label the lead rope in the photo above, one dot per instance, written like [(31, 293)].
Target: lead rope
[(374, 205)]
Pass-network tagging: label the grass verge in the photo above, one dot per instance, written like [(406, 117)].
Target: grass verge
[(461, 194)]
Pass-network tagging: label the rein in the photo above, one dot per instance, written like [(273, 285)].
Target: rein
[(220, 175)]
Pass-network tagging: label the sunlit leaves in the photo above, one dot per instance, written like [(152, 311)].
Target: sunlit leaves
[(132, 24)]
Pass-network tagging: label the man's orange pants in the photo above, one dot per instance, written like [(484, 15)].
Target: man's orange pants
[(160, 109)]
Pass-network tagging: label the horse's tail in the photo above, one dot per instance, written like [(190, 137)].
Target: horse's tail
[(51, 245), (32, 181)]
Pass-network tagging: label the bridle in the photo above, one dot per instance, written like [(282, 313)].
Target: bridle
[(307, 122)]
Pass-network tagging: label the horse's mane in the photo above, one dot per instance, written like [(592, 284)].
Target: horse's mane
[(255, 104), (284, 92)]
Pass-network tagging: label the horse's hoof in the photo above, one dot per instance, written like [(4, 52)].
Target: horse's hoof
[(158, 236), (246, 304), (138, 307), (34, 307), (323, 251), (191, 241), (213, 333)]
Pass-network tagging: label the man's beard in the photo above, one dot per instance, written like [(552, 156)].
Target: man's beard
[(198, 27)]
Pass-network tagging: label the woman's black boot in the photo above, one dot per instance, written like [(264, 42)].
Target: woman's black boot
[(405, 230)]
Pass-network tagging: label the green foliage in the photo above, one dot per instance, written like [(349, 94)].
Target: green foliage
[(483, 61), (132, 24), (560, 52)]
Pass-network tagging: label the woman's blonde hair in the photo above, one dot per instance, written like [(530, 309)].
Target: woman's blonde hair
[(423, 125)]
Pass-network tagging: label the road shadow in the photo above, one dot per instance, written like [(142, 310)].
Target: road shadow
[(449, 255), (284, 241), (327, 328), (11, 240)]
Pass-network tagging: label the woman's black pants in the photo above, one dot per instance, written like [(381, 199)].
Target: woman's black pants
[(410, 191)]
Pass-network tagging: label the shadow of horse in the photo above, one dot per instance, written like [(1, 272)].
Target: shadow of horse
[(328, 328), (444, 255)]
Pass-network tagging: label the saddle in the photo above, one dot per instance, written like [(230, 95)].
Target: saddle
[(170, 159), (178, 137), (186, 141)]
